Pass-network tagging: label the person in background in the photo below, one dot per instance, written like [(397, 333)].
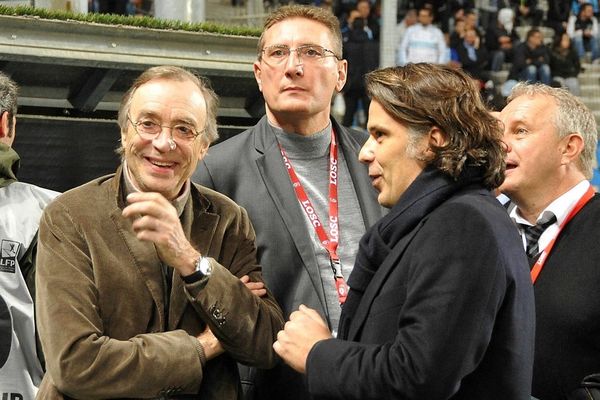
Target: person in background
[(361, 17), (286, 168), (584, 32), (501, 39), (558, 15), (458, 34), (576, 6), (423, 42), (488, 12), (21, 205), (531, 60), (472, 21), (551, 138), (456, 10), (473, 57), (410, 18), (564, 64), (527, 12), (144, 280), (361, 51), (440, 304)]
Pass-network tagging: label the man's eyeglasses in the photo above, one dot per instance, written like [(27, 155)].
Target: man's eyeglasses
[(148, 129), (308, 53)]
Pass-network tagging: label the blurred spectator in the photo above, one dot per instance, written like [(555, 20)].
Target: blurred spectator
[(472, 21), (558, 15), (362, 18), (439, 12), (564, 63), (457, 10), (423, 42), (583, 30), (410, 18), (502, 38), (473, 57), (469, 20), (458, 33), (576, 5), (488, 12), (527, 12), (362, 53), (531, 60)]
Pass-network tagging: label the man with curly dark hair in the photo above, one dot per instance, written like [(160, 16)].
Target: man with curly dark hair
[(440, 303)]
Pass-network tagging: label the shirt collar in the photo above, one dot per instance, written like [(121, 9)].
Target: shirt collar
[(560, 207)]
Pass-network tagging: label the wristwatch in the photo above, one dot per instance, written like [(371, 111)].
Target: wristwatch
[(203, 266)]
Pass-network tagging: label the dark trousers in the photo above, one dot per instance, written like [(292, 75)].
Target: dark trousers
[(351, 99)]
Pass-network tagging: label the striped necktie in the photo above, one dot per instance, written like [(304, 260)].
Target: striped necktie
[(533, 233)]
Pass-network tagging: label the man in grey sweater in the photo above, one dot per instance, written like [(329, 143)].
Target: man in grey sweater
[(297, 174)]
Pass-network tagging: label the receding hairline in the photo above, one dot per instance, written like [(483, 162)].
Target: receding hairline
[(299, 17), (296, 12)]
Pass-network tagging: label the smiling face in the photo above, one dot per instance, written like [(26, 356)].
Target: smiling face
[(390, 155), (154, 166), (298, 90), (534, 157)]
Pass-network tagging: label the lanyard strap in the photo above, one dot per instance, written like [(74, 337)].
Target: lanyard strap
[(329, 242), (539, 264)]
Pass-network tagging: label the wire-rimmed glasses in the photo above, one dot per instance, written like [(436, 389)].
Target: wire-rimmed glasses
[(308, 53), (149, 128)]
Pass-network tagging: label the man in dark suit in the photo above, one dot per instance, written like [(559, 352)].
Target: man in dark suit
[(440, 303), (551, 137), (299, 68)]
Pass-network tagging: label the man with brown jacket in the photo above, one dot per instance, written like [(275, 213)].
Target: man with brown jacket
[(141, 274)]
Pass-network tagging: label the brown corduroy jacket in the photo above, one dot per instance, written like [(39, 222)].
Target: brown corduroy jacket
[(100, 301)]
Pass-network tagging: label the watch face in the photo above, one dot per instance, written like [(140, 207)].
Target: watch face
[(204, 266)]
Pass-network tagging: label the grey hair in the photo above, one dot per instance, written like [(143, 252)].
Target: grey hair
[(8, 99), (175, 74), (572, 116)]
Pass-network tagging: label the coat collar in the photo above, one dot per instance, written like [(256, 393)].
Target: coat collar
[(350, 143), (9, 165), (276, 179), (385, 243)]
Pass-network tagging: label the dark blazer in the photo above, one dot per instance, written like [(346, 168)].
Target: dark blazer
[(567, 345), (100, 301), (475, 68), (525, 56), (249, 169), (565, 65), (448, 314)]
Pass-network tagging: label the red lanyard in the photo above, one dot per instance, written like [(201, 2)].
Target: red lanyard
[(330, 243), (539, 264)]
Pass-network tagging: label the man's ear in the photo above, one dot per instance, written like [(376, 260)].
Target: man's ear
[(257, 74), (7, 129), (5, 125), (437, 137), (203, 149), (342, 72), (571, 148)]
